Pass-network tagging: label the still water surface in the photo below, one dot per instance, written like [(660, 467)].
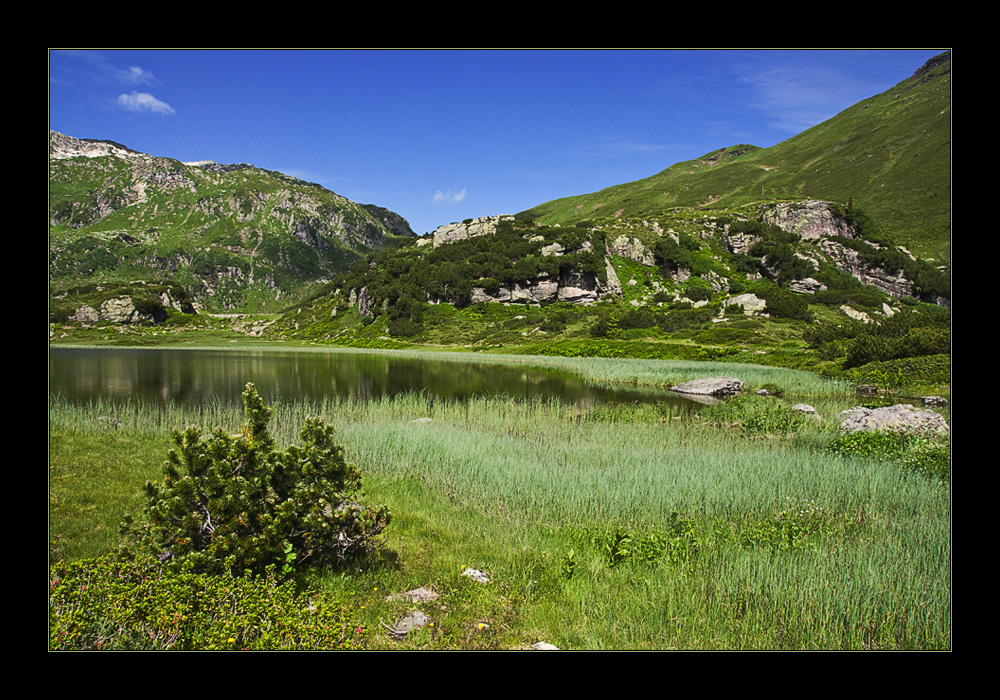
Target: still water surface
[(191, 377)]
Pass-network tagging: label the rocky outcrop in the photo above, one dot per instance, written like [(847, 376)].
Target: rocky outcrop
[(809, 219), (807, 285), (751, 303), (901, 418), (482, 226), (213, 167), (120, 309), (738, 243), (573, 287), (855, 314), (631, 248), (815, 221), (86, 314), (364, 303), (63, 146), (892, 283)]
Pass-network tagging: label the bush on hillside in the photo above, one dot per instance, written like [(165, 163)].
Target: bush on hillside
[(232, 503), (782, 303)]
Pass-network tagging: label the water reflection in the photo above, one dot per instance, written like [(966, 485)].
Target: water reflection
[(190, 377)]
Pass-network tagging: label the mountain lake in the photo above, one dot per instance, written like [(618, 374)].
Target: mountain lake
[(201, 376)]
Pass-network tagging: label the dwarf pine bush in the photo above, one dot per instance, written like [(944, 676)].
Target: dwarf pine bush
[(116, 602), (231, 503)]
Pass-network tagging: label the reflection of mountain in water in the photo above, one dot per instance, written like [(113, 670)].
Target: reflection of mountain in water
[(196, 376)]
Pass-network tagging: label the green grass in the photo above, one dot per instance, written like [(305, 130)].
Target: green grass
[(604, 528)]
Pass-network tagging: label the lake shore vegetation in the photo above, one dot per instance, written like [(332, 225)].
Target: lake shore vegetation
[(743, 526)]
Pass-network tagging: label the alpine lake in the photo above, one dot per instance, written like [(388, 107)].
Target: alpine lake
[(191, 377)]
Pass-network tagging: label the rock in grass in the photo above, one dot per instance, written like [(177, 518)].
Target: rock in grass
[(476, 575), (807, 409), (710, 386), (901, 418), (417, 595), (414, 621)]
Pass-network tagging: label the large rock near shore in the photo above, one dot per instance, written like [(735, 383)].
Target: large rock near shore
[(710, 386), (901, 418)]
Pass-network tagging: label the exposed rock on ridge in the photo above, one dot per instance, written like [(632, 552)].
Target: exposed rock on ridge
[(484, 225), (809, 219)]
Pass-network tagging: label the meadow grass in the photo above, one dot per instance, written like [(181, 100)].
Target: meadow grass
[(601, 527)]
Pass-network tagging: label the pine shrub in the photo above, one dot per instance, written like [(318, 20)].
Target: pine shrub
[(232, 503)]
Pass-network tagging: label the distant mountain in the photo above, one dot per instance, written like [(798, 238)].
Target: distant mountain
[(889, 154), (233, 237)]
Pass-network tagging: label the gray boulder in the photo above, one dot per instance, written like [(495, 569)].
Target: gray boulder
[(901, 418), (751, 303), (807, 409), (414, 621), (709, 386)]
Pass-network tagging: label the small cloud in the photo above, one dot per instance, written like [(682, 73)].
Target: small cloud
[(137, 75), (449, 196), (143, 102)]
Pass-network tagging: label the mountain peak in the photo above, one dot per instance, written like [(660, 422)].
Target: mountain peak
[(939, 65), (63, 146)]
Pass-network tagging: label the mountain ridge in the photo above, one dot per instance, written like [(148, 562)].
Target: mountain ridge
[(238, 237), (889, 153)]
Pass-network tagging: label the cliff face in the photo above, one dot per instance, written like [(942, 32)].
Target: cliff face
[(228, 233), (816, 222), (574, 287)]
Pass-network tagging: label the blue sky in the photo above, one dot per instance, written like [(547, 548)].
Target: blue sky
[(440, 136)]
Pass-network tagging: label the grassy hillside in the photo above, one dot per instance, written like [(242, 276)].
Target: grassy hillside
[(890, 154)]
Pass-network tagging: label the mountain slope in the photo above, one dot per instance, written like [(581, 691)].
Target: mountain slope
[(235, 237), (890, 154)]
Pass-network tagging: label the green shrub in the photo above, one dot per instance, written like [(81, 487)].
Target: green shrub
[(756, 416), (930, 456), (119, 603), (671, 256), (698, 289), (782, 303), (232, 503)]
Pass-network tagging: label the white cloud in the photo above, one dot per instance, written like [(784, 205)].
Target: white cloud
[(449, 196), (137, 75), (143, 102)]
